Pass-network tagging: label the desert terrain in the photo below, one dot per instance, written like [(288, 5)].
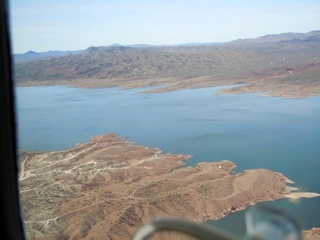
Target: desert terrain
[(285, 65), (107, 188)]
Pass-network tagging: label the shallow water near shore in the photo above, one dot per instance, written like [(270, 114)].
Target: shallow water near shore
[(254, 132)]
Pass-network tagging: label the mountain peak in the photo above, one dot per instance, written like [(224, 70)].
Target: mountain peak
[(31, 52)]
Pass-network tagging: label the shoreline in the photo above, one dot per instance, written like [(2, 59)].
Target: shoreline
[(114, 186), (267, 87)]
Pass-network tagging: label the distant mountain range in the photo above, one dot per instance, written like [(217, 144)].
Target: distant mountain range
[(263, 56), (312, 36), (33, 56)]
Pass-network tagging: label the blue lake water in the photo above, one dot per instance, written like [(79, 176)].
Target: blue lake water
[(254, 132)]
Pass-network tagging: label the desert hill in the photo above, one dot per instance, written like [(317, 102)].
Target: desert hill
[(107, 188), (289, 62)]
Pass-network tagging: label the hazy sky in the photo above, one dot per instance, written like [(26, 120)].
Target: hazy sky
[(42, 25)]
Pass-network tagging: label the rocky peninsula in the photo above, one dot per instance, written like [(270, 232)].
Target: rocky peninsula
[(107, 188)]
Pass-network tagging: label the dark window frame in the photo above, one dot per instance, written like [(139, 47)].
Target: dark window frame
[(10, 215)]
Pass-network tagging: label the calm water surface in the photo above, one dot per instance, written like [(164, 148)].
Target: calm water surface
[(254, 132)]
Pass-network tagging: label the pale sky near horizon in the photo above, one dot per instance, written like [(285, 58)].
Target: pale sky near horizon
[(43, 25)]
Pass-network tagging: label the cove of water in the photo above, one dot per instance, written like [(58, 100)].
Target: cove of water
[(254, 132)]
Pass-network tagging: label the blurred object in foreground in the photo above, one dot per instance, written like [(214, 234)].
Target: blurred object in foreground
[(263, 223)]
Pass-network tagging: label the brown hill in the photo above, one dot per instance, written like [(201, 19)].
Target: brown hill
[(126, 62), (289, 62), (107, 188)]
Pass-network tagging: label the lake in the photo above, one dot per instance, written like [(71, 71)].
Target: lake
[(253, 131)]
